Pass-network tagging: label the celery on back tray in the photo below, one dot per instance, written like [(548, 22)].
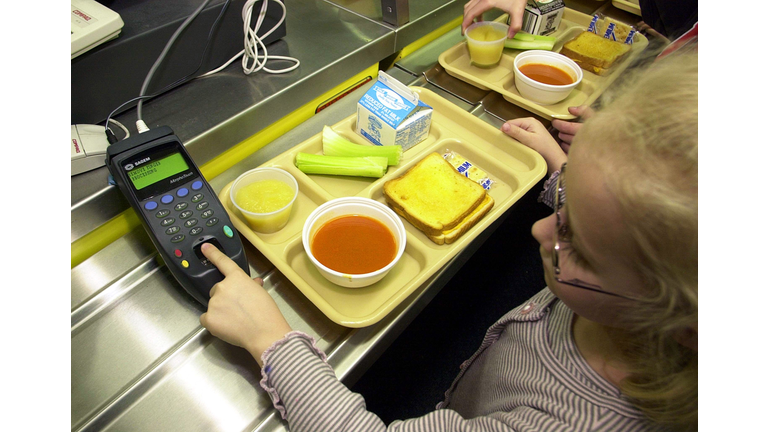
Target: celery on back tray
[(529, 45)]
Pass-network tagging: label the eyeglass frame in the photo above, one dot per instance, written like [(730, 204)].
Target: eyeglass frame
[(560, 229)]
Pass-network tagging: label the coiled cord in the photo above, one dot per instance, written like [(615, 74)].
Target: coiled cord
[(252, 61)]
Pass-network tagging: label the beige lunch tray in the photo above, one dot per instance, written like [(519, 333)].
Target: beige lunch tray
[(513, 167), (501, 78), (631, 6)]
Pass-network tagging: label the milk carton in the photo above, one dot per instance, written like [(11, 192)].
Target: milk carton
[(542, 17), (391, 114)]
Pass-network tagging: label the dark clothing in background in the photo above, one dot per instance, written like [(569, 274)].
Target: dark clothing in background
[(671, 18)]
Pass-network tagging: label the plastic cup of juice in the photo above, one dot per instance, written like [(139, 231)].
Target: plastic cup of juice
[(265, 196), (485, 41)]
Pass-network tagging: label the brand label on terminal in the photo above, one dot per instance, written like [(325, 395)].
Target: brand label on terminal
[(182, 177), (82, 14), (131, 166)]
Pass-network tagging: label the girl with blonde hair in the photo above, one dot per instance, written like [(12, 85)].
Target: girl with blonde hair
[(609, 345)]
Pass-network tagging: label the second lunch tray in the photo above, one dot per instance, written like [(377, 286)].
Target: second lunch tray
[(631, 6), (513, 167), (501, 78)]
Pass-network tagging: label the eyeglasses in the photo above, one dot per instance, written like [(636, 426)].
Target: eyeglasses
[(561, 232)]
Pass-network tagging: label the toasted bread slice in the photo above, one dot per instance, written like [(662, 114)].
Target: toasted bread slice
[(449, 236), (594, 69), (433, 195), (593, 50)]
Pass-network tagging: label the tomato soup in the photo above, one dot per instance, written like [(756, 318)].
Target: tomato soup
[(354, 244), (546, 74)]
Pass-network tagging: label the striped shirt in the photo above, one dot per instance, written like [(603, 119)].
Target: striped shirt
[(547, 195), (527, 375)]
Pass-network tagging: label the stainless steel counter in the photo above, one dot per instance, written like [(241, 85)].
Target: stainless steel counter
[(140, 359)]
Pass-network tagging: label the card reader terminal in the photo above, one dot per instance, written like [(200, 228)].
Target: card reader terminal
[(176, 205)]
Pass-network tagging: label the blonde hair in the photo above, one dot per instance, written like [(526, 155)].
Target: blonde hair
[(647, 146)]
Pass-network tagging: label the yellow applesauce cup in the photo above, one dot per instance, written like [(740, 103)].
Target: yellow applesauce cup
[(485, 41), (265, 196)]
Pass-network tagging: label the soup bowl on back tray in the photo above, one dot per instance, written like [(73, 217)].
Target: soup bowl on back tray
[(546, 77)]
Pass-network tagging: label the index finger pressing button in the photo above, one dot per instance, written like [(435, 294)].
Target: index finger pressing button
[(216, 257)]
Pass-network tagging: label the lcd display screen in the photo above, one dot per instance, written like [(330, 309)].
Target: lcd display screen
[(155, 171)]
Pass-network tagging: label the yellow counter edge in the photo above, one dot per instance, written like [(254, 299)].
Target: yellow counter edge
[(120, 225), (409, 49)]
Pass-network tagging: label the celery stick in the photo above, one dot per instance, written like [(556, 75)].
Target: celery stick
[(527, 37), (523, 36), (370, 166), (544, 38), (336, 145), (529, 45)]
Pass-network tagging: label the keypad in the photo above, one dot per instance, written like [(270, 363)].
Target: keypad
[(182, 212), (183, 215)]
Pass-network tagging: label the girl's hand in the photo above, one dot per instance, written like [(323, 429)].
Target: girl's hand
[(568, 129), (532, 133), (475, 8), (240, 310)]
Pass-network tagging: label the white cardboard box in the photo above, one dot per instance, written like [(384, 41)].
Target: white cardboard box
[(389, 113), (542, 17)]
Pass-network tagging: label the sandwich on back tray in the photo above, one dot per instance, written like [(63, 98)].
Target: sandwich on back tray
[(594, 53), (437, 200)]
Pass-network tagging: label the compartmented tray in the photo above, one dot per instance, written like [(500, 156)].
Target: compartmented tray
[(501, 78), (514, 168), (631, 6)]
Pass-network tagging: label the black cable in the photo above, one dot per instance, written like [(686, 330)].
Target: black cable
[(178, 82), (111, 136), (208, 42)]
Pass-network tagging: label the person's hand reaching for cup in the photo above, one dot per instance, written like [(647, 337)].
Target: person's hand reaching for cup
[(475, 9), (240, 310)]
